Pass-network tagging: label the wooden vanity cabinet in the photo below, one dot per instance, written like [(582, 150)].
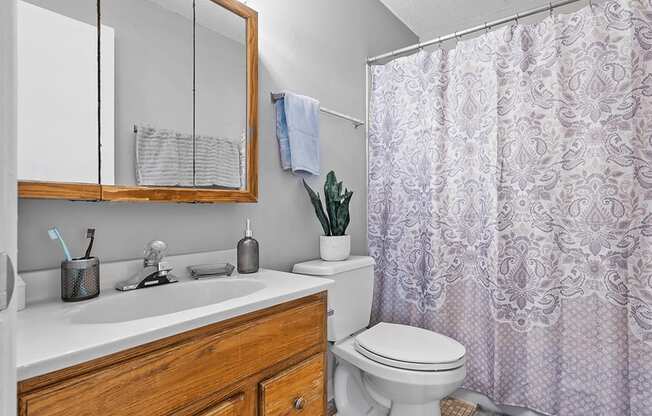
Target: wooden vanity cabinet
[(267, 363), (231, 407)]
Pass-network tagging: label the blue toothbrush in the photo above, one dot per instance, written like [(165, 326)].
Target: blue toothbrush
[(56, 235)]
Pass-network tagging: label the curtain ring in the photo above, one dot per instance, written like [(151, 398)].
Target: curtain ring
[(486, 28), (591, 5), (517, 17), (551, 8)]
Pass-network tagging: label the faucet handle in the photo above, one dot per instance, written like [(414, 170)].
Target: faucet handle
[(164, 267), (155, 252)]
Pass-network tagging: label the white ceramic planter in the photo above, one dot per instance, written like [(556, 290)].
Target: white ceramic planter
[(335, 248)]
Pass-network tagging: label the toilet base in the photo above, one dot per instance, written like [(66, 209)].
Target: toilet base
[(351, 398), (427, 409), (363, 387), (355, 396)]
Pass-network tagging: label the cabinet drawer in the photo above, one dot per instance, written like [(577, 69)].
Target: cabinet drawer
[(231, 407), (296, 391)]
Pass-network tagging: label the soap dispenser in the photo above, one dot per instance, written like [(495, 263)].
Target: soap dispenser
[(248, 252)]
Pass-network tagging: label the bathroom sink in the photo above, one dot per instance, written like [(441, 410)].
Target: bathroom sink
[(162, 300)]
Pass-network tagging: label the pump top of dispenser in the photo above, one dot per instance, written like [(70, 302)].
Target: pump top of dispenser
[(248, 232)]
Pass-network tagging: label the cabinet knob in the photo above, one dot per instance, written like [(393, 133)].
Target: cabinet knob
[(299, 403)]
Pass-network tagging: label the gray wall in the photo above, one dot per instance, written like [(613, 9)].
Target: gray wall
[(8, 148), (315, 47), (8, 152)]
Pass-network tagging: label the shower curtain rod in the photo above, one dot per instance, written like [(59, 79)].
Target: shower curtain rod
[(486, 26)]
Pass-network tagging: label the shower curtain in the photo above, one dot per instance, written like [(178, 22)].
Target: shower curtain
[(510, 206)]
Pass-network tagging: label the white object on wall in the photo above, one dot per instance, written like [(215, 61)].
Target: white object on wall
[(57, 98), (19, 293), (7, 339)]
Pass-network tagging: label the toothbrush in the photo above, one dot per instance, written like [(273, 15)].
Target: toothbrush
[(56, 235), (90, 233)]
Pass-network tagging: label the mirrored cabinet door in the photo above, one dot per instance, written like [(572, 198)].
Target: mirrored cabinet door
[(221, 98), (150, 44), (183, 90), (58, 133)]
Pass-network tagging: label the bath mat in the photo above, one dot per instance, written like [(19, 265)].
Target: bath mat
[(454, 407)]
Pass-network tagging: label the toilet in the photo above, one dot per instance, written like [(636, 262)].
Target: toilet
[(388, 369)]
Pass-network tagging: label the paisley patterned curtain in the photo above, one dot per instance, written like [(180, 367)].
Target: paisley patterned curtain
[(510, 206)]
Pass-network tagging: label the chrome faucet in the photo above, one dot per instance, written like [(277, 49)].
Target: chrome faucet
[(155, 271)]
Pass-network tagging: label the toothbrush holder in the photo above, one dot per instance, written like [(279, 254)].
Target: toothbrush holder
[(80, 279)]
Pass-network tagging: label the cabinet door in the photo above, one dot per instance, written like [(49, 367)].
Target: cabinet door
[(234, 406), (58, 133), (298, 390)]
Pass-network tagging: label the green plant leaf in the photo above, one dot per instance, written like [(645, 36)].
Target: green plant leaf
[(319, 209), (344, 209), (343, 216), (332, 196), (335, 219)]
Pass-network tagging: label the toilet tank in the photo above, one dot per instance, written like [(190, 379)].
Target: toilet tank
[(349, 301)]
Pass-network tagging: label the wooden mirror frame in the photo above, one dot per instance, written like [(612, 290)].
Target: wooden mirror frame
[(99, 192)]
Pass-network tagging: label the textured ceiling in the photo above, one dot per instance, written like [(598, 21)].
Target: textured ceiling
[(432, 18)]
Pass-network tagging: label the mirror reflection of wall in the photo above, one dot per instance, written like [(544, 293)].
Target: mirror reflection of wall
[(221, 97), (57, 93), (153, 89), (164, 134)]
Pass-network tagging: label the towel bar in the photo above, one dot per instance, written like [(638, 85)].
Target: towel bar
[(356, 123)]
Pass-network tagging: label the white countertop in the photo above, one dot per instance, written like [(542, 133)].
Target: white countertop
[(48, 340)]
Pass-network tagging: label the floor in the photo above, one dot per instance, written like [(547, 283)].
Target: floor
[(478, 413), (485, 413)]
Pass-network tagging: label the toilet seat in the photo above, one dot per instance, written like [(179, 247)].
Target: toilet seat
[(410, 348)]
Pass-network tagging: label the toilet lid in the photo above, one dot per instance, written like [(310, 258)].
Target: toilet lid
[(410, 348)]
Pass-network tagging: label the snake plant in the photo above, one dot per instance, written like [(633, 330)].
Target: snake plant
[(337, 206)]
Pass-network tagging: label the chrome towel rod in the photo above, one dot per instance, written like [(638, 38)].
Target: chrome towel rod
[(356, 123), (486, 26)]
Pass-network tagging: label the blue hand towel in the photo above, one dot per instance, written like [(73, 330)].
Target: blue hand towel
[(297, 131), (282, 134)]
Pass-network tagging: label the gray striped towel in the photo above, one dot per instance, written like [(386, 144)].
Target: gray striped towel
[(164, 158)]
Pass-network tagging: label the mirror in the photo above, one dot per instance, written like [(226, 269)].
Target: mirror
[(58, 94), (152, 53), (221, 97), (177, 114), (181, 83)]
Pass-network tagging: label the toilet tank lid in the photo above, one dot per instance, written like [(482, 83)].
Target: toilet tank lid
[(329, 268)]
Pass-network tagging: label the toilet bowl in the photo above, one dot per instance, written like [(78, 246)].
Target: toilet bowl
[(424, 368), (388, 369)]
